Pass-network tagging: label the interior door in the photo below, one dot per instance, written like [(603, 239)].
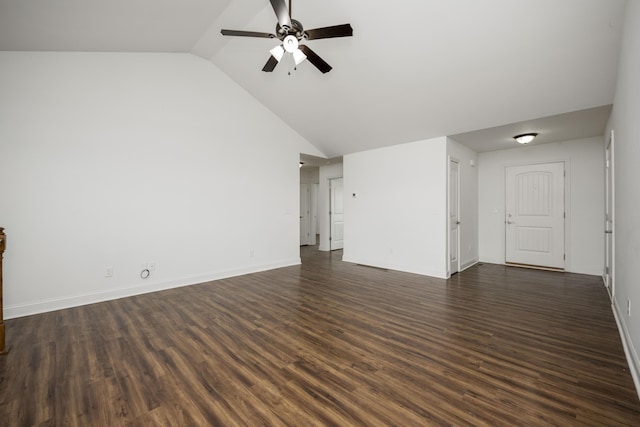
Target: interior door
[(535, 215), (304, 214), (313, 217), (454, 216), (609, 236), (336, 213)]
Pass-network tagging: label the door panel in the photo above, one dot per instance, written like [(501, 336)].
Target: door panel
[(313, 217), (535, 215), (337, 213), (454, 216), (304, 214)]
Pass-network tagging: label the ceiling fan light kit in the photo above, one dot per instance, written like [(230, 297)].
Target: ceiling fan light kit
[(291, 32)]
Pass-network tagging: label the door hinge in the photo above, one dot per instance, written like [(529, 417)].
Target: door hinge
[(564, 257), (564, 215)]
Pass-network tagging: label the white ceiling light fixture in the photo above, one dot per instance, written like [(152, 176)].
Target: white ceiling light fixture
[(289, 44), (525, 138)]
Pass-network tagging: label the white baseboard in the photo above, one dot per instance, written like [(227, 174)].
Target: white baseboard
[(390, 266), (468, 264), (629, 351), (44, 306)]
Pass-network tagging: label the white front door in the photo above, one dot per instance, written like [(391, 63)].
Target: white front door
[(608, 220), (304, 214), (336, 214), (535, 215), (454, 216)]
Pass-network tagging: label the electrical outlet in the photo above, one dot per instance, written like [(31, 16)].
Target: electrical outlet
[(108, 271)]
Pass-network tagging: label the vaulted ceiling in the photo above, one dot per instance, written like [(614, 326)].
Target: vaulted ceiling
[(414, 69)]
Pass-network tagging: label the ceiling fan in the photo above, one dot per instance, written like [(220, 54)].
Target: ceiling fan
[(291, 32)]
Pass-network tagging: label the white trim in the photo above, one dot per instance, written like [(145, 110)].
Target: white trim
[(629, 351), (395, 267), (44, 306), (469, 264)]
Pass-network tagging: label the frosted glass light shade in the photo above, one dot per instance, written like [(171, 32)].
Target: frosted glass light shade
[(525, 138), (277, 52), (298, 56), (290, 44)]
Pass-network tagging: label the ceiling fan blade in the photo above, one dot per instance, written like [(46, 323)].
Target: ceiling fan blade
[(247, 34), (280, 8), (315, 59), (270, 65), (344, 30)]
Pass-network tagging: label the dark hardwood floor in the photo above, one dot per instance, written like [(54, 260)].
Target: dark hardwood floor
[(328, 343)]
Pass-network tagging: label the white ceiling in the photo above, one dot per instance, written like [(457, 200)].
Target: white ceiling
[(414, 69), (561, 127)]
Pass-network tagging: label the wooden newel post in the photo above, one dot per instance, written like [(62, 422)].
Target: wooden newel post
[(3, 240)]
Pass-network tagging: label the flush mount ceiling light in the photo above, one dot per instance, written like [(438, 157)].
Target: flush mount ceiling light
[(525, 138)]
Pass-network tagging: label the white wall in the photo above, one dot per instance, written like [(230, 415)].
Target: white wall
[(113, 160), (468, 230), (624, 121), (309, 175), (398, 218), (584, 165), (327, 172)]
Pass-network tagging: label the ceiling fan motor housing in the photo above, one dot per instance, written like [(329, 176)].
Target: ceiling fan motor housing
[(296, 30)]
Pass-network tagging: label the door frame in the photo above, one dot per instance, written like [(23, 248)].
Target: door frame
[(567, 208), (450, 270), (609, 210)]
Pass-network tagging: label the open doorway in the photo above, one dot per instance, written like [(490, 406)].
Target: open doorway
[(309, 177), (323, 172)]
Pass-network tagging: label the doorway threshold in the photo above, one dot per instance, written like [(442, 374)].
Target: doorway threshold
[(534, 267)]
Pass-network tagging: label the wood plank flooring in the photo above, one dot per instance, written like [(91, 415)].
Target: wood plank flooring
[(328, 343)]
